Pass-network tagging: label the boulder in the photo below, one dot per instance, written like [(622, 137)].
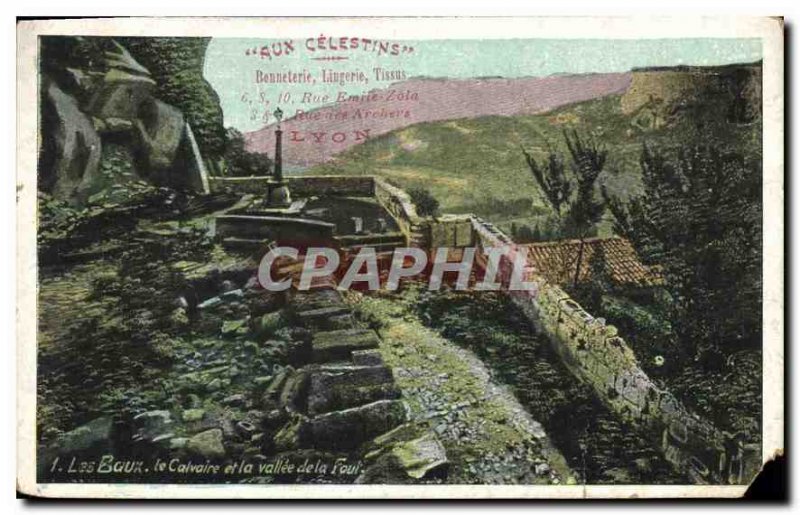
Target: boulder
[(168, 149), (152, 424), (125, 85), (94, 435), (160, 129), (267, 324), (195, 176), (316, 299), (207, 444), (421, 457), (71, 148), (291, 435), (293, 394), (404, 455), (337, 345), (275, 387), (117, 105), (193, 415)]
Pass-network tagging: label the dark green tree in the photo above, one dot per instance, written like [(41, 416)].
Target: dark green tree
[(242, 163), (176, 65), (426, 204), (700, 219), (585, 211), (552, 179)]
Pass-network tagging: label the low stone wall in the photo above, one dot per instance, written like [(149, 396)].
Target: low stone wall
[(398, 203), (596, 354), (336, 185)]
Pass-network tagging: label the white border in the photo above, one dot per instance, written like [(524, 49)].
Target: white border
[(641, 27)]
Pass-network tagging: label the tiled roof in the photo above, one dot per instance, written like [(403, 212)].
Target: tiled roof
[(556, 261)]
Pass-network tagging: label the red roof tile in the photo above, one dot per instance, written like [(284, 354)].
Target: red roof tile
[(556, 261)]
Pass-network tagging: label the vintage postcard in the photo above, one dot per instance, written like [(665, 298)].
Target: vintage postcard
[(399, 258)]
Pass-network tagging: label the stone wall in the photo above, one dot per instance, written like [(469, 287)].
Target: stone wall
[(596, 354), (398, 203)]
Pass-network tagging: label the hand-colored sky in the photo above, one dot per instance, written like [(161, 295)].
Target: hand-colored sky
[(232, 73)]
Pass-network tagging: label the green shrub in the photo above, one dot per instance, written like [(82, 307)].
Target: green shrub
[(425, 203)]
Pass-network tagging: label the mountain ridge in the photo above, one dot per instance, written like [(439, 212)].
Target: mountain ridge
[(340, 126)]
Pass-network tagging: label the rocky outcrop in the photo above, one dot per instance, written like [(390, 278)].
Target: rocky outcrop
[(71, 147), (111, 100), (658, 96)]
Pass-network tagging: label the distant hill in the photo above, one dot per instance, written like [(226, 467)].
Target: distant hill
[(431, 100), (475, 164)]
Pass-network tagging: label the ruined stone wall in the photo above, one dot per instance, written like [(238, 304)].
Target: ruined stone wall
[(596, 354), (398, 203)]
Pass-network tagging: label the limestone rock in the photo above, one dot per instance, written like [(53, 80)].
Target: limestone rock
[(95, 434), (291, 435), (267, 324), (125, 85), (160, 131), (325, 318), (292, 396), (71, 148), (207, 444), (420, 457), (193, 415), (117, 104), (275, 387), (152, 424), (404, 455)]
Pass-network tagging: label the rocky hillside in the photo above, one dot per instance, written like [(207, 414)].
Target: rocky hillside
[(426, 100), (105, 124), (657, 96)]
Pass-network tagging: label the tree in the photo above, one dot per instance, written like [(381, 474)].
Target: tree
[(551, 177), (583, 208), (588, 160), (242, 163), (700, 219)]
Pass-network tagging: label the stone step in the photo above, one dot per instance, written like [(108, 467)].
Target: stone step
[(342, 387), (338, 345), (305, 301), (325, 319), (370, 357), (350, 428)]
